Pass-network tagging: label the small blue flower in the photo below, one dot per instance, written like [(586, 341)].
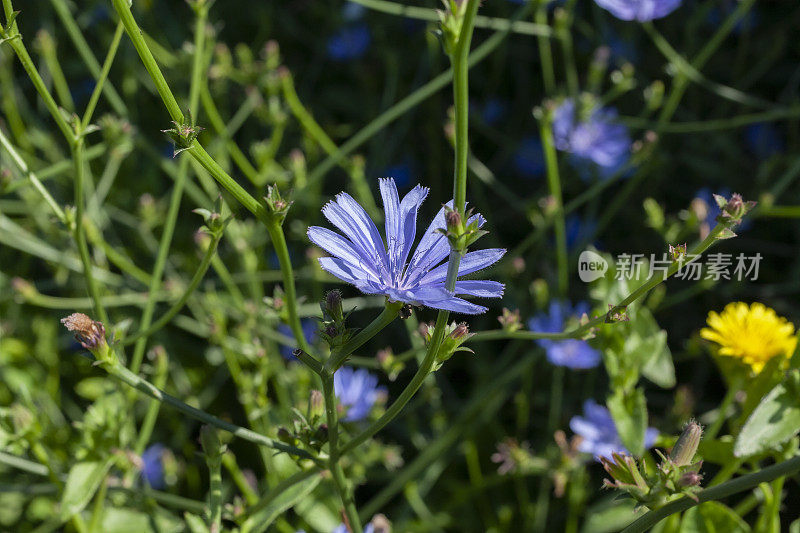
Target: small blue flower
[(362, 259), (309, 327), (349, 43), (599, 433), (641, 10), (153, 467), (596, 139), (764, 140), (357, 390), (571, 353)]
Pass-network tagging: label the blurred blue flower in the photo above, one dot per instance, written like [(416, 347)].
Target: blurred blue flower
[(579, 230), (641, 10), (764, 140), (401, 172), (720, 12), (349, 43), (596, 138), (153, 467), (571, 353), (309, 332), (362, 259), (529, 158), (357, 390), (492, 111), (599, 433)]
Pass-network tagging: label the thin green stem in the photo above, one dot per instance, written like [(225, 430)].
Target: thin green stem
[(79, 231), (342, 485), (178, 305), (386, 317), (101, 80), (554, 184), (145, 387)]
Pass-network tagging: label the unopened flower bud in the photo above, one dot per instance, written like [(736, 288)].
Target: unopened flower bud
[(460, 332), (316, 405), (453, 219), (285, 436), (691, 479), (683, 452), (332, 306), (211, 443)]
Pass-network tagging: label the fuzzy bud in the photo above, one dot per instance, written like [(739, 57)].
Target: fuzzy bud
[(683, 452)]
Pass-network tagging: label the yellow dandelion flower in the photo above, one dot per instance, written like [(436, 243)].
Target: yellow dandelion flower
[(755, 333)]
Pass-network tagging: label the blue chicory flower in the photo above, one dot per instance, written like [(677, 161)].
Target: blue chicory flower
[(529, 158), (153, 467), (597, 139), (362, 259), (599, 433), (309, 327), (641, 10), (349, 43), (357, 390), (571, 353)]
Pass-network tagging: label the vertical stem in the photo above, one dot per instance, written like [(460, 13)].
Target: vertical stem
[(545, 50), (79, 231), (460, 64), (177, 192), (554, 183), (342, 485), (215, 494)]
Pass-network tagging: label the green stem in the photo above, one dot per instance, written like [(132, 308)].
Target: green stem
[(741, 484), (386, 317), (214, 494), (101, 80), (79, 231), (177, 306), (554, 183), (133, 380), (342, 485)]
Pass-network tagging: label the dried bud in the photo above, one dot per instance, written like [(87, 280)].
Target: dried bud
[(276, 205), (678, 251), (453, 219), (683, 452), (691, 479), (405, 312), (90, 333), (510, 320)]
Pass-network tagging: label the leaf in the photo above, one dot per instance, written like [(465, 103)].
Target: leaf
[(609, 516), (195, 523), (774, 421), (630, 416), (83, 481), (118, 520), (287, 499), (712, 517)]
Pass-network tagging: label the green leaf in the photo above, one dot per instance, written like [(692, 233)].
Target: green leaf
[(609, 516), (195, 523), (774, 421), (712, 517), (261, 520), (83, 481), (630, 416), (119, 520)]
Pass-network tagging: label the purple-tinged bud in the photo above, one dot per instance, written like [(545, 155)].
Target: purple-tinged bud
[(677, 252), (683, 452), (90, 333), (691, 479), (285, 436), (453, 219), (461, 331), (332, 306)]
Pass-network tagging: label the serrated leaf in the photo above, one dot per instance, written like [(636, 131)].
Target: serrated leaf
[(712, 517), (83, 481), (773, 422)]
